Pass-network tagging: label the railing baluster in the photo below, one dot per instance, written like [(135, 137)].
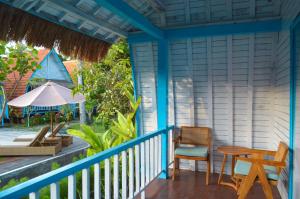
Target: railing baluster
[(147, 143), (86, 183), (97, 181), (124, 174), (34, 195), (54, 190), (116, 176), (131, 173), (171, 155), (151, 159), (155, 156), (159, 153), (72, 186), (142, 169), (137, 168), (107, 179)]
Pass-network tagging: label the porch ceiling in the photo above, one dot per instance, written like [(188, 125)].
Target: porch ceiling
[(109, 20), (88, 16)]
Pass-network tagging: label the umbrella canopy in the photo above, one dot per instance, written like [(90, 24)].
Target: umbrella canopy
[(47, 95)]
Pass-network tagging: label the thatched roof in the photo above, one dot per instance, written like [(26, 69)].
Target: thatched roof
[(17, 25)]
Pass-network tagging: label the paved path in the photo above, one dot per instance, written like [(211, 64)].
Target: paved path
[(9, 134), (32, 166)]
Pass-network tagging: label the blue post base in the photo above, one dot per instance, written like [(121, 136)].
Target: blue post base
[(164, 175)]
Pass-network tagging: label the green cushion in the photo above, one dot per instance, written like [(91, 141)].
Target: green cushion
[(198, 151), (243, 168)]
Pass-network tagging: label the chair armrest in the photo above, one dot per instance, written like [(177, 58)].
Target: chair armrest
[(261, 152), (176, 139), (263, 162)]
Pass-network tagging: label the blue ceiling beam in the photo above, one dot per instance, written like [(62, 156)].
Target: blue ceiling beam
[(123, 10), (212, 30)]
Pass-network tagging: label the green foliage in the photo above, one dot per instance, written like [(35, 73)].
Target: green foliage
[(122, 129), (105, 84), (67, 113), (22, 58), (35, 82), (98, 141), (13, 182), (18, 58)]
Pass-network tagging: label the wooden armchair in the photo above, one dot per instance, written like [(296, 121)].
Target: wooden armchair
[(200, 139), (255, 168)]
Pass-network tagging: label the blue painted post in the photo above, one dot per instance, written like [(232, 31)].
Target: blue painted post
[(137, 116), (162, 102), (293, 79)]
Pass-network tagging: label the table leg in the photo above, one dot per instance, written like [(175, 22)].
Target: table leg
[(233, 165), (222, 169)]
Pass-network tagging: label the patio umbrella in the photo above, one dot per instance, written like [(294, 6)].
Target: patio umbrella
[(47, 95)]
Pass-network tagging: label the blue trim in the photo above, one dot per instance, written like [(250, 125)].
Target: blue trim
[(162, 102), (139, 37), (39, 182), (137, 116), (211, 30), (293, 93), (129, 14)]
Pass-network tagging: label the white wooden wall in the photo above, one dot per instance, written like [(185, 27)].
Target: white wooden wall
[(289, 10), (236, 84), (221, 82)]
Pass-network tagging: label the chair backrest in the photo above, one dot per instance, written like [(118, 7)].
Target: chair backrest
[(57, 129), (195, 135), (39, 137), (282, 152)]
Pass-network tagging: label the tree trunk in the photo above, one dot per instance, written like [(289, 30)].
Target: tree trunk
[(82, 112), (3, 105)]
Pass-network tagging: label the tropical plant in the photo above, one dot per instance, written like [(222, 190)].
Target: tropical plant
[(124, 127), (105, 83), (17, 59), (98, 141), (66, 111), (121, 130)]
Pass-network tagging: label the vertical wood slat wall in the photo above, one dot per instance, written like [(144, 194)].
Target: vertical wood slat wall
[(201, 93), (235, 61), (289, 10)]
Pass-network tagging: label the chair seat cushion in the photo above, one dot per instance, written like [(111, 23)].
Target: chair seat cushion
[(197, 151), (243, 168)]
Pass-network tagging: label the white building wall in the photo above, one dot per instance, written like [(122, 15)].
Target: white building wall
[(236, 84), (204, 71), (281, 90)]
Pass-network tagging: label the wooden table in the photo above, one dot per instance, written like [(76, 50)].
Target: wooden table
[(234, 151)]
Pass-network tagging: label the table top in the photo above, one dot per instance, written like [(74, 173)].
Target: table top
[(233, 150)]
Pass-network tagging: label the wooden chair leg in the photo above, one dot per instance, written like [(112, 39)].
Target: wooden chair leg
[(247, 182), (264, 182), (208, 171), (238, 183), (174, 168)]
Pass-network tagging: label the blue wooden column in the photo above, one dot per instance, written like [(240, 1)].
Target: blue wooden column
[(293, 95), (162, 102)]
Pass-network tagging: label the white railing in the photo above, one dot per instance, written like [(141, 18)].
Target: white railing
[(127, 170)]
